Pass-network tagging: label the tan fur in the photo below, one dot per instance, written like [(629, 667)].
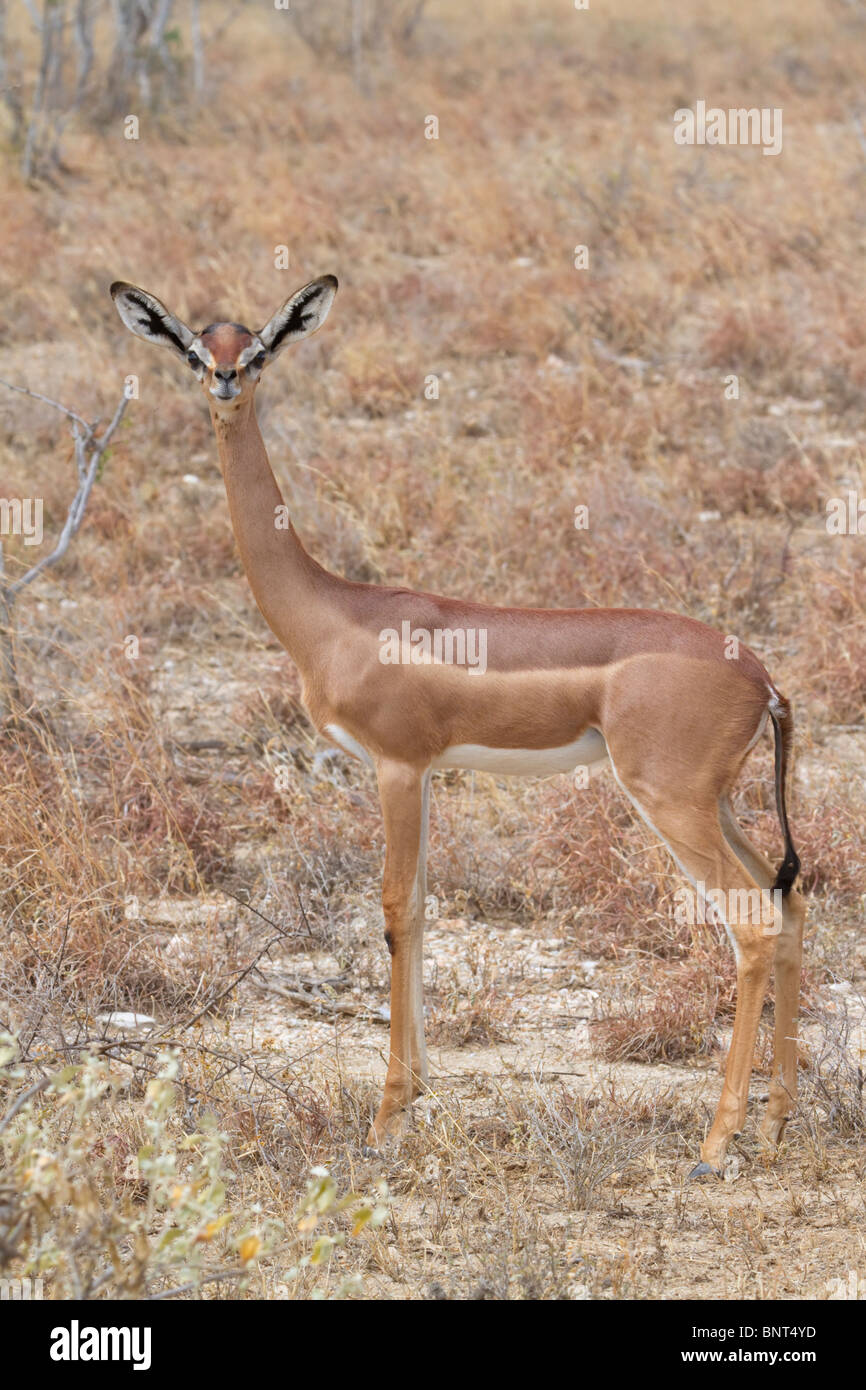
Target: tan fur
[(677, 716), (225, 342)]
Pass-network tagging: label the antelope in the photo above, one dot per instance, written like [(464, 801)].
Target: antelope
[(663, 700)]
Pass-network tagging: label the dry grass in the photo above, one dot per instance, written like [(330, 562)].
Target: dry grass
[(574, 1022), (674, 1020)]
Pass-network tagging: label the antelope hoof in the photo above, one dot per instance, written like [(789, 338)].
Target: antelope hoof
[(771, 1130), (392, 1126), (704, 1170)]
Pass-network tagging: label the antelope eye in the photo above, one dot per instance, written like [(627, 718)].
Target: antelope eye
[(259, 360), (194, 360)]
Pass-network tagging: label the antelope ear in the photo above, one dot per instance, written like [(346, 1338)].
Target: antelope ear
[(302, 314), (147, 318)]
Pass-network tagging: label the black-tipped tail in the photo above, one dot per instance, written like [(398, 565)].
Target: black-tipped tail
[(783, 729)]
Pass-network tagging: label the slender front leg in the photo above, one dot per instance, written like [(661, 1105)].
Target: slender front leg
[(404, 795)]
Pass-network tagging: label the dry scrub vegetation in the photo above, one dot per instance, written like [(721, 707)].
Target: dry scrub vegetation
[(154, 863)]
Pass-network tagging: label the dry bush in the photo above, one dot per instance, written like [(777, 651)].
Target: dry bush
[(117, 769), (479, 1020), (787, 486), (756, 341), (514, 1261), (831, 1100), (480, 849), (830, 837), (477, 1013), (71, 893), (587, 1143), (834, 649), (331, 30), (606, 875), (103, 1199), (676, 1022)]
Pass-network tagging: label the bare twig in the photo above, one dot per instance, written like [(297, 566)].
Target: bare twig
[(247, 970), (37, 396), (22, 1100), (77, 507), (197, 48), (207, 1279), (89, 455)]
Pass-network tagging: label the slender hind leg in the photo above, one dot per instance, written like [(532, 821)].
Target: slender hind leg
[(690, 827), (748, 854), (789, 966), (419, 1050), (788, 969), (404, 795)]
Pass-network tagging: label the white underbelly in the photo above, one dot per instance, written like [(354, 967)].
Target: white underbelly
[(348, 744), (585, 751), (590, 750)]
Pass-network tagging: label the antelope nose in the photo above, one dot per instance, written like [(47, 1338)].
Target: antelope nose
[(225, 373)]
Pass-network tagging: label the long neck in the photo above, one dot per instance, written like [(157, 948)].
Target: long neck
[(296, 596)]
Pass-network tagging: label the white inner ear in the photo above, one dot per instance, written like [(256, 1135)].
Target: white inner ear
[(147, 318), (308, 307)]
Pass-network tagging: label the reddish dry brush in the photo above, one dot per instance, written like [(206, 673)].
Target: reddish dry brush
[(88, 822), (478, 1012), (678, 1019)]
